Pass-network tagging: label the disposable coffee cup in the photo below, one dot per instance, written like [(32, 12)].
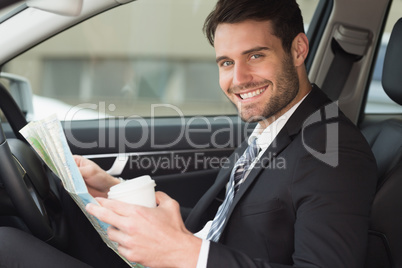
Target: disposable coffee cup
[(138, 191)]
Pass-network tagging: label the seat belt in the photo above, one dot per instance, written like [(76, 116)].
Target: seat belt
[(349, 46), (10, 109)]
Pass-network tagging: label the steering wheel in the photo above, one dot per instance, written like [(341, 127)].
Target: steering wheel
[(26, 182)]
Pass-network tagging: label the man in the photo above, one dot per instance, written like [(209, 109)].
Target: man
[(311, 210)]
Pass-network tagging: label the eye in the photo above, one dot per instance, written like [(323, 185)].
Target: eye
[(226, 63), (256, 56)]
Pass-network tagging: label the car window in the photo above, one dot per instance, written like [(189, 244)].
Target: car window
[(145, 58), (378, 101)]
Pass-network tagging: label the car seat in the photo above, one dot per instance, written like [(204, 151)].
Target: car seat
[(385, 139)]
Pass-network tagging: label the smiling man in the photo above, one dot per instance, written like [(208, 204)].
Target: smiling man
[(311, 211), (256, 73)]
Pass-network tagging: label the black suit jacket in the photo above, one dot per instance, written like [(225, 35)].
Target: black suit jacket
[(305, 204)]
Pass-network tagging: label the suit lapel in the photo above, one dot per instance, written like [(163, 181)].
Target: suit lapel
[(280, 143), (266, 159), (194, 220)]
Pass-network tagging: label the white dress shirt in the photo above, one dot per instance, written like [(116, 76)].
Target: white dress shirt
[(264, 139)]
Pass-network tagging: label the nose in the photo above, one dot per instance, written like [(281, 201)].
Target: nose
[(241, 74)]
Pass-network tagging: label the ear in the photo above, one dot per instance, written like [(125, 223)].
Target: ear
[(300, 48)]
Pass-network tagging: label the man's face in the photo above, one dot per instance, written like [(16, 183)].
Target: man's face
[(255, 73)]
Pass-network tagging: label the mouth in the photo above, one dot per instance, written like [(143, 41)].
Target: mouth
[(251, 94)]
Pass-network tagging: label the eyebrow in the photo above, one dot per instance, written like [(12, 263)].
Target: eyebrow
[(255, 49)]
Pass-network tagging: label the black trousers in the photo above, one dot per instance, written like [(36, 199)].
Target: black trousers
[(85, 248)]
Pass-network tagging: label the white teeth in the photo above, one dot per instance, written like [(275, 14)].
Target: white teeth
[(251, 94)]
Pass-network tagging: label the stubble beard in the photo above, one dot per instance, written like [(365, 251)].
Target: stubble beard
[(287, 87)]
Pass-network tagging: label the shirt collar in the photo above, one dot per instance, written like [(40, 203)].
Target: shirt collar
[(266, 136)]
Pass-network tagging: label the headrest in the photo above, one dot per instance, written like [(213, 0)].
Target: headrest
[(392, 70)]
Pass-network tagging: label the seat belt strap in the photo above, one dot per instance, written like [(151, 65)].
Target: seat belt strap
[(339, 71)]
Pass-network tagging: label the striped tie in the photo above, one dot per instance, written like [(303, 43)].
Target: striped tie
[(236, 179)]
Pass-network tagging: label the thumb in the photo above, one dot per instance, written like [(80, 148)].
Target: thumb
[(161, 197)]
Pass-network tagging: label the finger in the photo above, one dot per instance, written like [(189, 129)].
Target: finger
[(86, 167), (161, 197), (165, 201), (119, 237), (86, 171), (115, 235), (80, 162), (104, 214), (129, 253), (118, 207), (77, 159)]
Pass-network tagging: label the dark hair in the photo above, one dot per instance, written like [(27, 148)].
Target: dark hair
[(285, 15)]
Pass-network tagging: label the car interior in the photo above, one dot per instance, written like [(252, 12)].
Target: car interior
[(183, 118)]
